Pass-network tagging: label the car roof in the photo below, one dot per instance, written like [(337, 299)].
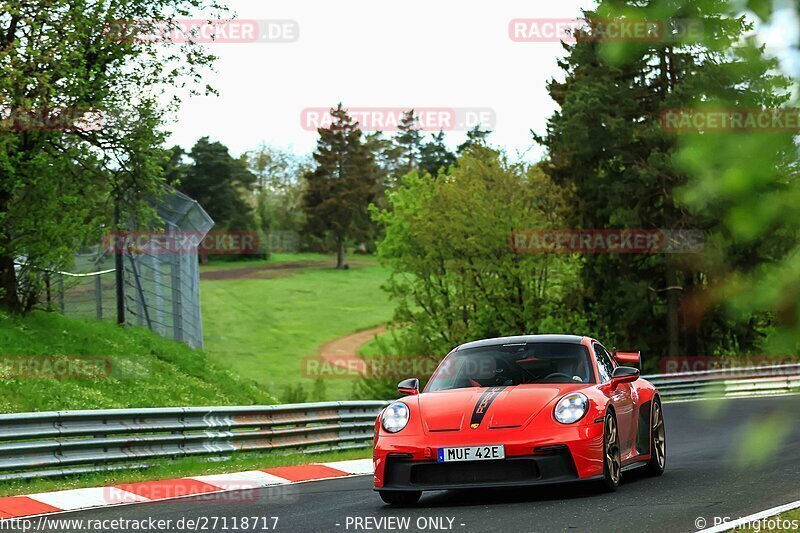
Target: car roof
[(527, 339)]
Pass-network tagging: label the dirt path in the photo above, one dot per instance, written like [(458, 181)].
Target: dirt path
[(346, 348), (274, 270), (270, 271)]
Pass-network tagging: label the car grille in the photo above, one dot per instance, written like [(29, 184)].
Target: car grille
[(473, 472)]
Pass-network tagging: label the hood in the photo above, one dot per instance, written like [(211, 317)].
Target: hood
[(492, 407)]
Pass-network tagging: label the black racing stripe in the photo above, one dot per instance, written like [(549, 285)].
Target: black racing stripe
[(483, 404)]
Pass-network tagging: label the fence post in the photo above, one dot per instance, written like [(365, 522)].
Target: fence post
[(177, 307), (141, 304), (60, 284), (47, 291), (118, 249), (155, 265), (98, 295)]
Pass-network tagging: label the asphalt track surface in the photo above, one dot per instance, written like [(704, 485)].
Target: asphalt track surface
[(717, 466)]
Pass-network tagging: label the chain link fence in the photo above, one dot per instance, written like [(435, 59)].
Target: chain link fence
[(160, 285)]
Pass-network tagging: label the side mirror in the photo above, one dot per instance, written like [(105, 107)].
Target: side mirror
[(628, 358), (624, 374), (409, 387)]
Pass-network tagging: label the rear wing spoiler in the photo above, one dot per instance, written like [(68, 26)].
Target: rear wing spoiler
[(628, 358)]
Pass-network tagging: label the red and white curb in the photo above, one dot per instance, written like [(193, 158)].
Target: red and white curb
[(16, 507)]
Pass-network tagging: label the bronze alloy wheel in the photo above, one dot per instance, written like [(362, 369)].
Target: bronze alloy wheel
[(658, 441), (659, 438), (613, 463)]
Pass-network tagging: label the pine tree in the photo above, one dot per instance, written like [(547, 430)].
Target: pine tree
[(408, 143), (343, 184), (221, 184), (475, 137), (434, 155), (606, 145)]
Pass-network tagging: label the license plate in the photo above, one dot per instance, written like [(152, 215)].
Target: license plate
[(472, 453)]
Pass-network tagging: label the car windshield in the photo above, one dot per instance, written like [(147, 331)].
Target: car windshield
[(513, 364)]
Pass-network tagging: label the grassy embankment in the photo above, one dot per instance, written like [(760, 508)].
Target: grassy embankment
[(263, 329)]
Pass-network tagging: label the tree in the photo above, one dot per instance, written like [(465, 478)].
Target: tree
[(475, 137), (62, 169), (277, 169), (279, 187), (408, 143), (454, 274), (608, 147), (343, 184), (221, 184), (174, 167), (435, 156), (747, 179), (384, 153)]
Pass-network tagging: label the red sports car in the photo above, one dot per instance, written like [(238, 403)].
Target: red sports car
[(517, 411)]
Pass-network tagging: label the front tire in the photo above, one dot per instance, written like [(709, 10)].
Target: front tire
[(400, 497), (612, 462), (658, 442)]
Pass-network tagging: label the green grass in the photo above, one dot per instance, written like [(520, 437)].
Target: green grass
[(184, 467), (262, 329), (145, 369)]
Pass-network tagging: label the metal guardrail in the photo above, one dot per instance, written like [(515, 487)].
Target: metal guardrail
[(68, 442), (729, 382)]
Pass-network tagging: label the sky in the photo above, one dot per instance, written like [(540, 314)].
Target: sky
[(454, 58)]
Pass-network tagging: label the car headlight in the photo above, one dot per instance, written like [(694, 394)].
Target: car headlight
[(395, 417), (571, 408)]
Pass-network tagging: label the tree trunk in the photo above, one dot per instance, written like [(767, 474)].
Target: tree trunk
[(340, 253), (8, 284)]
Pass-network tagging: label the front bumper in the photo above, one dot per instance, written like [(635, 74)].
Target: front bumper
[(405, 474), (573, 453)]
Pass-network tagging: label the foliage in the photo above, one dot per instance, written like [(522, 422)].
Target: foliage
[(342, 185), (221, 184), (454, 277), (609, 149), (279, 187), (435, 156), (60, 63), (475, 137), (407, 143)]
